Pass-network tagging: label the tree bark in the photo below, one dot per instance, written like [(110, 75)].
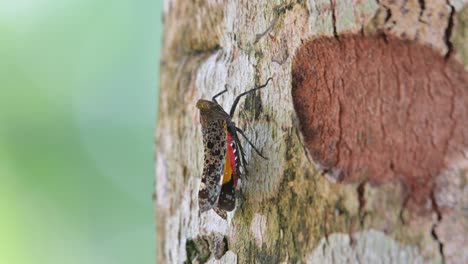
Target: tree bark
[(311, 201)]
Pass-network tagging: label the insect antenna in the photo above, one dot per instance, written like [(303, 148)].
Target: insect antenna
[(219, 94), (236, 101), (250, 143)]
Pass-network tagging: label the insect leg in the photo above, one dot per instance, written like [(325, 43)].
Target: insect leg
[(241, 152), (250, 143), (218, 94), (236, 101)]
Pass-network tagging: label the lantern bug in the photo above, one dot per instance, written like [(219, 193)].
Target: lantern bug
[(222, 149)]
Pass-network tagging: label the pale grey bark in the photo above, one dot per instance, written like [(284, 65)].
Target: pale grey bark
[(288, 211)]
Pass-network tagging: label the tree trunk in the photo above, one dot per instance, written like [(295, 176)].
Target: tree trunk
[(365, 126)]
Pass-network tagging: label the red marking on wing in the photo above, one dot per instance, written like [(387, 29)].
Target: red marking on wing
[(232, 159)]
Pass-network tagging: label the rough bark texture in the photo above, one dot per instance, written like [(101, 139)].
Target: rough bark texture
[(356, 172)]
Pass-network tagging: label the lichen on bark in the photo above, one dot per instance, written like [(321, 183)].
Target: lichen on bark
[(287, 210)]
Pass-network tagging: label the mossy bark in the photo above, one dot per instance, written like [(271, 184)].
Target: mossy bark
[(287, 210)]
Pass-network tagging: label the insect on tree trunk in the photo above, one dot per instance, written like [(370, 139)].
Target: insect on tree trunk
[(365, 126)]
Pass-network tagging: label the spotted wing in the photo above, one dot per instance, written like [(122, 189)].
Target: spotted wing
[(214, 141)]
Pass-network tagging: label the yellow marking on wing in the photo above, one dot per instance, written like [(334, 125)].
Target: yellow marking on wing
[(227, 170)]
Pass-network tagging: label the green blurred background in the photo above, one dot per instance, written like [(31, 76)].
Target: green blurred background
[(79, 82)]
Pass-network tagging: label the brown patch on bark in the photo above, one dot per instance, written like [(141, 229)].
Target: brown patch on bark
[(380, 110)]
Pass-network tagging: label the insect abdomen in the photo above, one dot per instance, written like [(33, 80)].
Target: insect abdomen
[(227, 198)]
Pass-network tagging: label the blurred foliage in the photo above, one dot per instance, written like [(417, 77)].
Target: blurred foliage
[(79, 83)]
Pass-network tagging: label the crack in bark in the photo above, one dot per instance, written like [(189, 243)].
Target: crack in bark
[(448, 30), (272, 25), (304, 148), (422, 4), (403, 207), (333, 7), (361, 189), (340, 136), (284, 59), (388, 15), (285, 56), (324, 225), (198, 52), (278, 11), (436, 209)]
